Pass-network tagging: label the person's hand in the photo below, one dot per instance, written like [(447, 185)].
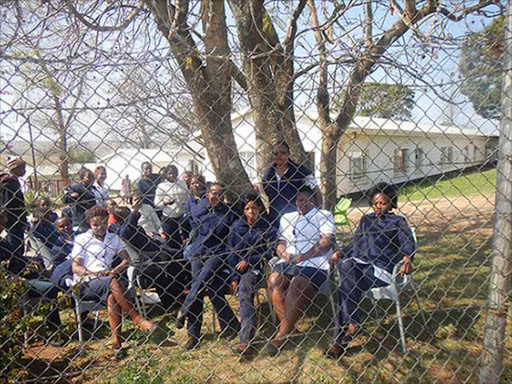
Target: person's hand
[(136, 204), (241, 267), (286, 255), (407, 266), (34, 220), (75, 195), (151, 234), (163, 235), (168, 201), (233, 287), (333, 261)]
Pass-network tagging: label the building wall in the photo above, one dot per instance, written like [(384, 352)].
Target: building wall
[(441, 154)]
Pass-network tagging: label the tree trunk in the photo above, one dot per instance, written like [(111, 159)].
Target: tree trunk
[(328, 167), (63, 141), (501, 269), (209, 84)]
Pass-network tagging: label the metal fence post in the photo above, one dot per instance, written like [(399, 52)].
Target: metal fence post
[(499, 282)]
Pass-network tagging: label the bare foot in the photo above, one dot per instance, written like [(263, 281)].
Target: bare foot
[(146, 325)]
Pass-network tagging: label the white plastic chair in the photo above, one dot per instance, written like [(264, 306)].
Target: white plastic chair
[(392, 292)]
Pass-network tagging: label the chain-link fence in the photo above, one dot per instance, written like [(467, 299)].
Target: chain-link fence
[(198, 201)]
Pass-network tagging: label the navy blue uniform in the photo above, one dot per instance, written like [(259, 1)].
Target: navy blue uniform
[(85, 200), (210, 229), (376, 245), (283, 193), (147, 188), (251, 244)]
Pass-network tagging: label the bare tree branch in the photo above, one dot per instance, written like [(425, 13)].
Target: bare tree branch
[(99, 28)]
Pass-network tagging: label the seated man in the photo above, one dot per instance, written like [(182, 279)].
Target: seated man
[(165, 272), (38, 287), (304, 247), (211, 220), (61, 251)]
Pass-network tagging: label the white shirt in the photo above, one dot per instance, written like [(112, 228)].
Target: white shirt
[(177, 191), (96, 255), (302, 232), (149, 219), (101, 193)]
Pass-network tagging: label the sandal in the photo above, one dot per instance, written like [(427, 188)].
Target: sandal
[(119, 353)]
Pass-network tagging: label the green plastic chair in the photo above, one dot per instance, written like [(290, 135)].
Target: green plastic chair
[(341, 211)]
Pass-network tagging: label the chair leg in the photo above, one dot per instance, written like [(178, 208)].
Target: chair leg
[(400, 326), (79, 324), (417, 298), (138, 299), (271, 307), (375, 310), (214, 320)]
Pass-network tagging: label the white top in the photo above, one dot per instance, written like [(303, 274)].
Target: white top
[(101, 193), (96, 255), (302, 232), (149, 219), (177, 191)]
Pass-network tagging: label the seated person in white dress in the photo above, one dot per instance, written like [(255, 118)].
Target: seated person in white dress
[(304, 247), (93, 256)]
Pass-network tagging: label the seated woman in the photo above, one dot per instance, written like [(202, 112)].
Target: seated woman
[(304, 247), (93, 255), (250, 241), (210, 220), (44, 229), (382, 239), (81, 197)]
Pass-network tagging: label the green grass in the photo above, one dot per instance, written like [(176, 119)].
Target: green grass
[(482, 183)]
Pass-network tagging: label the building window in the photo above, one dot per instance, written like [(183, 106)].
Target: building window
[(358, 166), (446, 155), (193, 166), (400, 160), (419, 158), (249, 163), (465, 154)]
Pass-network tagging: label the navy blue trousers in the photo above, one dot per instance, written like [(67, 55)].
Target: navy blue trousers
[(355, 279), (248, 317), (208, 279)]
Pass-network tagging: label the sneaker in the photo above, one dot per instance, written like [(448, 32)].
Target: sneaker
[(192, 343), (244, 350)]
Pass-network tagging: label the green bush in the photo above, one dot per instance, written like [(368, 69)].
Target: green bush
[(12, 323)]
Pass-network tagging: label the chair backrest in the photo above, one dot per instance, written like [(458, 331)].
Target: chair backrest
[(40, 248), (341, 211)]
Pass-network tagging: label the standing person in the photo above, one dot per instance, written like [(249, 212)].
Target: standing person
[(381, 240), (251, 239), (282, 181), (211, 218), (126, 189), (81, 197), (304, 247), (99, 189), (146, 185), (198, 191), (171, 195), (93, 256), (13, 204), (187, 178)]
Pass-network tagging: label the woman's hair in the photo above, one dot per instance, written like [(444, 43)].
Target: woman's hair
[(389, 190), (282, 143), (39, 213), (121, 214), (96, 211), (100, 168), (255, 199), (146, 163), (46, 200), (83, 172)]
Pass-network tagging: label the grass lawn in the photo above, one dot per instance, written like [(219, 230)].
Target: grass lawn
[(482, 183)]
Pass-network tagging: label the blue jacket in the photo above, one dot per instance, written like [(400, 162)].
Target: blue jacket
[(133, 234), (251, 243), (210, 228), (85, 200), (147, 188), (12, 200), (60, 251), (47, 233), (282, 195), (381, 243)]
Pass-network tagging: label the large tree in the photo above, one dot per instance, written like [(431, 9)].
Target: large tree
[(481, 66)]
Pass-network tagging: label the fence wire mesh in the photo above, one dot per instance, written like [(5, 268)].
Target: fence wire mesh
[(199, 204)]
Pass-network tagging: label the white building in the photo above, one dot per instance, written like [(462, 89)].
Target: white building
[(374, 149)]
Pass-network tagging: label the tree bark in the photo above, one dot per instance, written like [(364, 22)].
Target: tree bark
[(209, 83), (63, 140)]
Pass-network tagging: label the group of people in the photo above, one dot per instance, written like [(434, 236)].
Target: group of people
[(194, 244)]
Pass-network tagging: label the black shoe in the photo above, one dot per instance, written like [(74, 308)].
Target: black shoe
[(274, 348), (335, 352), (244, 350), (228, 334), (119, 353), (180, 321), (191, 344)]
